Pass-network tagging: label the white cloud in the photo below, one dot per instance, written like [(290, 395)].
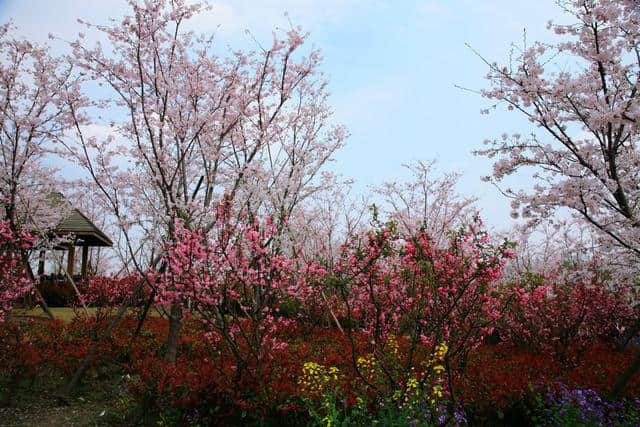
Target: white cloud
[(228, 18)]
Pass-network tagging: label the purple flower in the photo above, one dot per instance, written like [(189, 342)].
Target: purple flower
[(587, 406)]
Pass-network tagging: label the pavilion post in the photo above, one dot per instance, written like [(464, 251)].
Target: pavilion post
[(85, 259), (71, 260), (41, 259)]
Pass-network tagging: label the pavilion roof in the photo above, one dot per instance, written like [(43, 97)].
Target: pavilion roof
[(85, 231)]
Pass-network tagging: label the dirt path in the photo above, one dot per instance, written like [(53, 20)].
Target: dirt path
[(55, 416), (83, 414), (105, 405)]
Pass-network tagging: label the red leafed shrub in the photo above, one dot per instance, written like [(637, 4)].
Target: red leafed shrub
[(564, 318), (203, 377), (498, 376), (495, 377), (98, 291), (202, 380), (20, 358), (36, 348), (103, 291)]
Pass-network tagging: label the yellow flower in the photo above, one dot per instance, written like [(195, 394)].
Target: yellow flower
[(333, 371), (441, 350), (437, 390), (392, 342), (315, 378), (367, 365)]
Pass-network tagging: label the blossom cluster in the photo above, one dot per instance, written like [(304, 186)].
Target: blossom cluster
[(14, 279)]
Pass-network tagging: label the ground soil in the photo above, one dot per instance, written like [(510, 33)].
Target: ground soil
[(98, 403)]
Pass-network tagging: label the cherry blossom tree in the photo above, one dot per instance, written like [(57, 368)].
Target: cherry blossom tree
[(585, 151), (326, 222), (581, 93), (427, 202), (564, 245), (188, 126), (32, 86)]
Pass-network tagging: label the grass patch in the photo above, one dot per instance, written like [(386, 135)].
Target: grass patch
[(67, 313), (64, 313)]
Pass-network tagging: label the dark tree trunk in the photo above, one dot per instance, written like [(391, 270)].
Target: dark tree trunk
[(175, 321), (32, 278)]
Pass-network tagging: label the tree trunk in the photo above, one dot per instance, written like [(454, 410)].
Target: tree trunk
[(85, 261), (143, 316), (175, 321), (32, 278)]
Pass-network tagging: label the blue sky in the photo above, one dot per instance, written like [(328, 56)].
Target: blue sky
[(393, 67)]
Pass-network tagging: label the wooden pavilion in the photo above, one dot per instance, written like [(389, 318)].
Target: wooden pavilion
[(83, 233)]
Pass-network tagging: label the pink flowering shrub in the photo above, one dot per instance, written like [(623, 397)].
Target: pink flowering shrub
[(233, 278), (564, 317), (394, 288), (14, 280)]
